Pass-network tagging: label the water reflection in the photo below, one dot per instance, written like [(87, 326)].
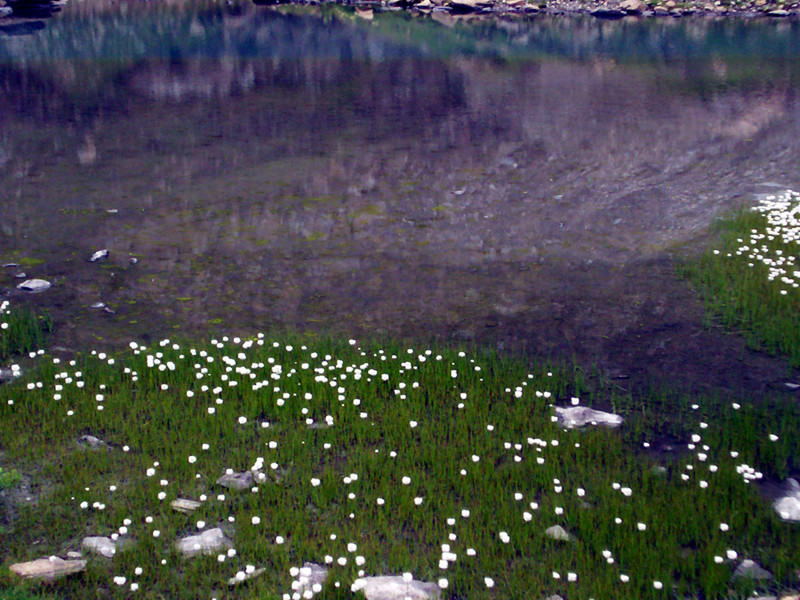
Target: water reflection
[(400, 178)]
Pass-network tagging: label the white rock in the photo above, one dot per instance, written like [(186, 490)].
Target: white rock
[(185, 506), (208, 542), (578, 416), (557, 532), (34, 285), (788, 506), (99, 545), (99, 255), (48, 569), (395, 588)]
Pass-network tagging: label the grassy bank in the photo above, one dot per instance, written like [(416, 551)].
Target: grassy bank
[(750, 281), (386, 460)]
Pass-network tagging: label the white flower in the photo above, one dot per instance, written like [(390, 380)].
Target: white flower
[(315, 482), (658, 585), (504, 537), (255, 520), (119, 580), (641, 526), (489, 582)]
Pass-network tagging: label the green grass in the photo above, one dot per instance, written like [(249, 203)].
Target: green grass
[(9, 478), (21, 331), (484, 442), (758, 297)]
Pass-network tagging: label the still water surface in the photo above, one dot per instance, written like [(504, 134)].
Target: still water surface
[(521, 183)]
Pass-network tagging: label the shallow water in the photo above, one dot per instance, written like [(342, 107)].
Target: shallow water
[(520, 183)]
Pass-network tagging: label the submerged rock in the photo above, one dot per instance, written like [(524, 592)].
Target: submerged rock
[(99, 255), (395, 588), (34, 285), (48, 569), (578, 416)]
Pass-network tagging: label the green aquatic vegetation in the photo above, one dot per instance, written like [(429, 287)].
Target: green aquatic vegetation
[(751, 280), (21, 331), (445, 464)]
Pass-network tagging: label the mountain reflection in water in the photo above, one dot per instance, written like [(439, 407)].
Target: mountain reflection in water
[(301, 169)]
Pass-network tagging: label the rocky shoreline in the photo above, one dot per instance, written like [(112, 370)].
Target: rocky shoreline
[(601, 9)]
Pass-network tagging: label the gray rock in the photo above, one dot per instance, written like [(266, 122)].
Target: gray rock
[(90, 441), (311, 574), (34, 285), (236, 481), (751, 570), (578, 416), (395, 588), (557, 532), (99, 545), (47, 569), (632, 6), (208, 542)]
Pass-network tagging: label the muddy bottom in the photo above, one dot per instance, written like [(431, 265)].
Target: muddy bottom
[(373, 188)]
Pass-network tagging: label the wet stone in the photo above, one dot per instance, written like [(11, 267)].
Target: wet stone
[(34, 285)]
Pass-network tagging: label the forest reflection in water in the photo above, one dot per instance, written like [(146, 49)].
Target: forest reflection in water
[(474, 182)]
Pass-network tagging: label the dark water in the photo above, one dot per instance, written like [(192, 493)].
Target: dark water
[(521, 183)]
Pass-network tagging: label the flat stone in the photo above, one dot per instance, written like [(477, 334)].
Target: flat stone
[(34, 285), (779, 12), (750, 569), (48, 569), (99, 545), (578, 416), (185, 506), (236, 481), (395, 588), (211, 541), (557, 532)]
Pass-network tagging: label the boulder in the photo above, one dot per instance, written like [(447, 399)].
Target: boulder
[(211, 541), (395, 588), (632, 6), (578, 416), (464, 6), (48, 569), (606, 12), (34, 285)]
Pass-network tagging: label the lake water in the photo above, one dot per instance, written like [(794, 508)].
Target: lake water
[(522, 183)]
